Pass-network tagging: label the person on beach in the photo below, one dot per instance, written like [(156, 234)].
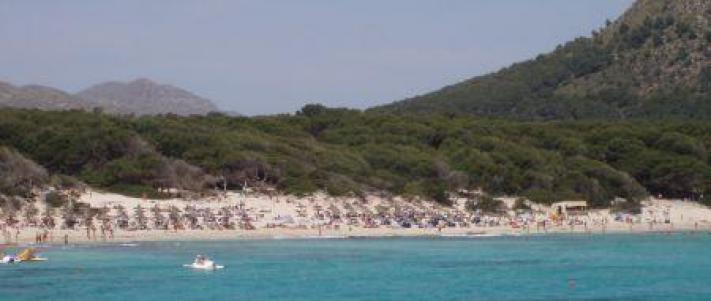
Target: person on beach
[(6, 234), (66, 239)]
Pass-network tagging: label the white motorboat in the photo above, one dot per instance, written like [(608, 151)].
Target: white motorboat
[(9, 259), (203, 263)]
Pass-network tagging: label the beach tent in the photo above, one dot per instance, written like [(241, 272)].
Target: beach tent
[(316, 222), (569, 207), (285, 219)]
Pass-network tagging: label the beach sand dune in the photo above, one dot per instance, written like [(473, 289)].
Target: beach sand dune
[(321, 216)]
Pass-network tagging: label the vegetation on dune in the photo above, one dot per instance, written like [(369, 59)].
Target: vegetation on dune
[(345, 151), (486, 204), (18, 175)]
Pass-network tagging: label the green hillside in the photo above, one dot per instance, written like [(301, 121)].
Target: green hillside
[(350, 152), (653, 62)]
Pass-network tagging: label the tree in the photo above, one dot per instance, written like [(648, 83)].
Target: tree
[(312, 110), (158, 218), (140, 217), (521, 204), (225, 216), (485, 204), (174, 217), (122, 220), (30, 214), (69, 216), (19, 175), (48, 218), (88, 217), (55, 199)]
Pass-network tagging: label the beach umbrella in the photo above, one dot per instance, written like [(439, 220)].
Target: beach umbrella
[(286, 219), (334, 209)]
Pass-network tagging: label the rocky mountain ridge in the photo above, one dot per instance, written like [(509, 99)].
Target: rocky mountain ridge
[(137, 97)]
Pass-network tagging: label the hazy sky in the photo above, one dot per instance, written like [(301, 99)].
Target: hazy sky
[(262, 56)]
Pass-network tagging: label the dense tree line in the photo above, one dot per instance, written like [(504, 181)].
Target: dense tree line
[(351, 152)]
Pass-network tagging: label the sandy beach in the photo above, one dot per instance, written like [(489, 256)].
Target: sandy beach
[(320, 216), (79, 236)]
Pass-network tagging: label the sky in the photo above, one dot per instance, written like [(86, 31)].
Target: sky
[(260, 57)]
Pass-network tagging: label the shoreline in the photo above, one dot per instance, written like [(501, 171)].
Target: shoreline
[(76, 237), (259, 217)]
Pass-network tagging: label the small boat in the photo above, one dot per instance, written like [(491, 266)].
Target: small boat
[(9, 259), (35, 259), (6, 259), (29, 255), (203, 263)]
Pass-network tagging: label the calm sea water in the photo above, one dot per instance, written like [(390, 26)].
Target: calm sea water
[(613, 267)]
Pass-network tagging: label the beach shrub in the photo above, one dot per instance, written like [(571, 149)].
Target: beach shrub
[(627, 206), (437, 191), (485, 204), (62, 182), (55, 199), (137, 191), (19, 175), (521, 204)]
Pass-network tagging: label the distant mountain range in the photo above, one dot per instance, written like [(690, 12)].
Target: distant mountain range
[(143, 96), (138, 97), (653, 62), (37, 97)]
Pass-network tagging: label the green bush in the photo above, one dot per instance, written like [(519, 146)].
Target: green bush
[(521, 204), (485, 204), (55, 199)]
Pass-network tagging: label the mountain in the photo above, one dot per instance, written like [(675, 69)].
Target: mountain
[(145, 97), (652, 62), (140, 97), (38, 97)]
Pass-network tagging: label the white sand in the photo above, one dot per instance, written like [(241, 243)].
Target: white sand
[(263, 210)]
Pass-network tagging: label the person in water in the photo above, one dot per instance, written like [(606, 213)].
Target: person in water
[(199, 259)]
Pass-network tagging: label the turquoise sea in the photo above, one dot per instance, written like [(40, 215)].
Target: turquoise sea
[(612, 267)]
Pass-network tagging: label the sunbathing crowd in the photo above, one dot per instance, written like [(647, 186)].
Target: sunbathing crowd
[(101, 223)]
